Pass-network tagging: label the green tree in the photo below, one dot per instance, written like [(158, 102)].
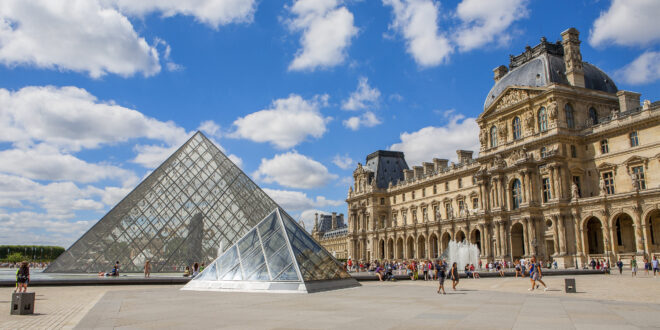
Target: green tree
[(15, 257)]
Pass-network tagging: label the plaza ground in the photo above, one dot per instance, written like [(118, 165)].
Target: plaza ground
[(602, 302)]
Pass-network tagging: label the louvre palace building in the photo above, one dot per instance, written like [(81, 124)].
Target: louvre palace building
[(568, 169)]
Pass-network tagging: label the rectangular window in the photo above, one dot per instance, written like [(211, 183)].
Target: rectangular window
[(423, 192), (634, 140), (413, 194), (608, 178), (448, 210), (604, 148), (425, 215), (435, 189), (435, 213), (382, 201), (461, 207), (475, 203), (638, 176), (460, 183), (546, 190), (446, 186), (576, 180), (573, 151), (403, 197)]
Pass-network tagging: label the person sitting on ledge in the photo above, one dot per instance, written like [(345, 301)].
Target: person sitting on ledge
[(186, 272)]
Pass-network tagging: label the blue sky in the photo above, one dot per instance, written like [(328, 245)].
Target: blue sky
[(94, 94)]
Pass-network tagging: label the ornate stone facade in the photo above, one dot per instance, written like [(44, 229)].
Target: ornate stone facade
[(331, 232), (569, 169)]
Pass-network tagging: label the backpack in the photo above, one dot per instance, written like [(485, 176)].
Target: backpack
[(21, 275)]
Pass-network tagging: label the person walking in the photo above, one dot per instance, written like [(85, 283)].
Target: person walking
[(442, 273), (147, 269), (633, 266), (195, 270), (535, 275), (22, 277), (454, 276), (619, 264), (654, 264)]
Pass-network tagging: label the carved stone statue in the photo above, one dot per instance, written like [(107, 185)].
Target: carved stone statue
[(575, 191), (552, 110), (529, 121), (603, 188), (483, 137), (635, 183)]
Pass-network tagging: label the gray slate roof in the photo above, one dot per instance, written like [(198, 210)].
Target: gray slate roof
[(388, 167)]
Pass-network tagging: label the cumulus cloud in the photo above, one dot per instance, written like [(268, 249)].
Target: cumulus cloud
[(422, 145), (344, 162), (364, 97), (76, 35), (367, 119), (286, 123), (627, 23), (298, 201), (643, 70), (293, 170), (327, 29), (211, 12), (487, 21), (417, 21)]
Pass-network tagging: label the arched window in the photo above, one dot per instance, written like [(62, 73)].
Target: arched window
[(493, 136), (593, 115), (517, 134), (570, 119), (516, 194), (543, 120)]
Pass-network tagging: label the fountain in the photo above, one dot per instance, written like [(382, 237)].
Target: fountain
[(462, 253)]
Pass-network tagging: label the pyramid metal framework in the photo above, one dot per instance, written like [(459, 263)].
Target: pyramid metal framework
[(195, 202), (277, 255)]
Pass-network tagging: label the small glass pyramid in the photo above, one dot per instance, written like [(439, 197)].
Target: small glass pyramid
[(277, 255)]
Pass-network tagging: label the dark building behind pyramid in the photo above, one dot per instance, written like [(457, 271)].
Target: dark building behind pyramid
[(194, 203)]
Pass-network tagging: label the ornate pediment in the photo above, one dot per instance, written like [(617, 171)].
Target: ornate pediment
[(606, 167), (512, 96), (636, 160)]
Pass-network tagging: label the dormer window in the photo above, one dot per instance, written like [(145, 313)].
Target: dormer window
[(593, 116)]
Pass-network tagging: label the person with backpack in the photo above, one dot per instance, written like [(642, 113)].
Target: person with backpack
[(535, 275), (22, 277)]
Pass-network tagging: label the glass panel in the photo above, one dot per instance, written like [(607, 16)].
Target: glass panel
[(288, 274), (277, 261), (252, 261), (209, 274), (233, 275), (227, 261), (260, 274), (248, 243)]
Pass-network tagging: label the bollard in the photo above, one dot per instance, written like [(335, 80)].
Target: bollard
[(22, 303), (570, 285)]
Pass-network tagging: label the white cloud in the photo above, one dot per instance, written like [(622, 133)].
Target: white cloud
[(211, 128), (367, 119), (293, 170), (627, 23), (76, 35), (423, 145), (644, 69), (417, 21), (286, 123), (297, 201), (44, 162), (210, 12), (364, 97), (344, 162), (487, 21), (327, 30), (72, 118)]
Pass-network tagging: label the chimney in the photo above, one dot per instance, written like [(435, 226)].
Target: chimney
[(341, 216), (407, 174), (428, 168), (573, 57), (419, 172), (499, 72), (334, 220), (440, 163), (316, 221), (464, 156), (628, 100)]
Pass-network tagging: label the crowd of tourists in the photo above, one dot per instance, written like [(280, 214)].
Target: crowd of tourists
[(35, 265)]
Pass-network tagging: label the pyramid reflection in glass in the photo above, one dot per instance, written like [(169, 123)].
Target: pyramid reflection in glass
[(277, 255)]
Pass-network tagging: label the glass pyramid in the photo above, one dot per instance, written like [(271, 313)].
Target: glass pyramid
[(196, 202), (276, 255)]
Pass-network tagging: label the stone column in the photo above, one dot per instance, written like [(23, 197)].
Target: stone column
[(560, 181), (562, 235), (503, 192), (556, 233), (526, 236), (524, 186), (578, 239), (638, 230), (496, 229), (532, 235), (552, 182), (482, 240), (503, 238)]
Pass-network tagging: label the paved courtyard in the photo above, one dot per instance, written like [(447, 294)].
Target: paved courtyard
[(602, 302)]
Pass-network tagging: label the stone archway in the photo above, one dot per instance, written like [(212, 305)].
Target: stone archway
[(624, 234), (653, 228), (390, 249), (421, 247), (433, 246), (381, 249), (445, 241), (594, 240), (399, 248), (410, 247), (460, 236), (517, 241), (475, 238)]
